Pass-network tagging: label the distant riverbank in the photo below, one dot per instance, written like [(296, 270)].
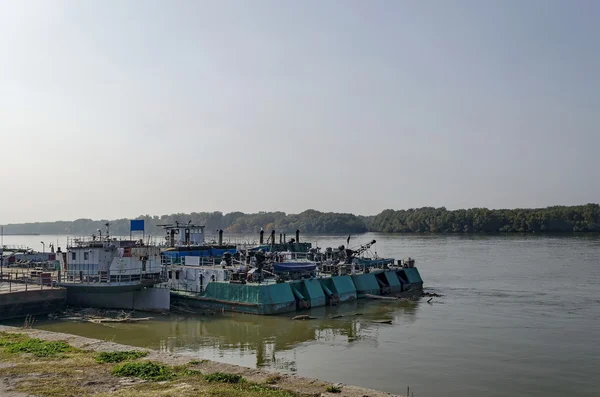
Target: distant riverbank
[(558, 219)]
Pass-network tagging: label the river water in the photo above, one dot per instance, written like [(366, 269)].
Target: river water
[(520, 315)]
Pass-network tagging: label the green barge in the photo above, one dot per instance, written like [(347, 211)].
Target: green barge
[(270, 298), (279, 277)]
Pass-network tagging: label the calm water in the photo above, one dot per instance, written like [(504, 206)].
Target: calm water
[(520, 315)]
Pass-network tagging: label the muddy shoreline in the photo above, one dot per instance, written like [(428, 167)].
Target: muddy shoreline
[(293, 383)]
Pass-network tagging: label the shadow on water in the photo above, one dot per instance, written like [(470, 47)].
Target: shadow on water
[(235, 335)]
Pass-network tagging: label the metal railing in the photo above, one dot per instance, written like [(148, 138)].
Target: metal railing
[(84, 241), (15, 282), (186, 287), (96, 276), (15, 248), (181, 261)]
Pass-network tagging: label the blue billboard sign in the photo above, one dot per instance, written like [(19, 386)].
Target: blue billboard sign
[(137, 225)]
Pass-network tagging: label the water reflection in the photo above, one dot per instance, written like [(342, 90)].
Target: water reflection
[(270, 339), (261, 341)]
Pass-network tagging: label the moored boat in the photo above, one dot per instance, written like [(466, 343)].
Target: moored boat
[(270, 282), (25, 257), (105, 272)]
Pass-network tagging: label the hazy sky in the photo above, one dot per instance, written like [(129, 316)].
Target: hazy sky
[(120, 108)]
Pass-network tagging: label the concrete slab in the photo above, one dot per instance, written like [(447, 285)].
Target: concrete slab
[(20, 300)]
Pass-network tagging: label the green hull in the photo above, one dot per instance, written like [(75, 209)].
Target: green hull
[(338, 289), (389, 282), (366, 284), (311, 291), (267, 299), (245, 298), (410, 279)]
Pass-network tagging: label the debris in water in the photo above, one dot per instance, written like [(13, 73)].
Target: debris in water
[(96, 316), (304, 317), (382, 321), (119, 320)]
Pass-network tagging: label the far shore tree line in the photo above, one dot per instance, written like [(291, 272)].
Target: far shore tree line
[(557, 219)]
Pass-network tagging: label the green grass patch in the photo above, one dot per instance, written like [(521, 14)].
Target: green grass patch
[(118, 357), (7, 339), (222, 377), (37, 347), (21, 343), (333, 389), (149, 370), (197, 362), (145, 370)]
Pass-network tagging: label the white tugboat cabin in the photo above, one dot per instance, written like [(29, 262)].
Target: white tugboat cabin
[(109, 272), (120, 264)]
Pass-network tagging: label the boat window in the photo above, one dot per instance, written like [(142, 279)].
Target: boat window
[(177, 275), (170, 274), (73, 255), (86, 256)]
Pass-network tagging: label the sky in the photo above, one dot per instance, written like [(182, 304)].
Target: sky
[(113, 109)]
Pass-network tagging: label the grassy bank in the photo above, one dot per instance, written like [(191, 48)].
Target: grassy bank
[(46, 364), (54, 368)]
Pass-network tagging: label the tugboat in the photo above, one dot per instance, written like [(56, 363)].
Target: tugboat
[(105, 272)]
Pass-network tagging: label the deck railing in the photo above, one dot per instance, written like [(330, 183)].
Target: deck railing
[(95, 276), (25, 281), (181, 261), (186, 287), (83, 241), (15, 248)]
